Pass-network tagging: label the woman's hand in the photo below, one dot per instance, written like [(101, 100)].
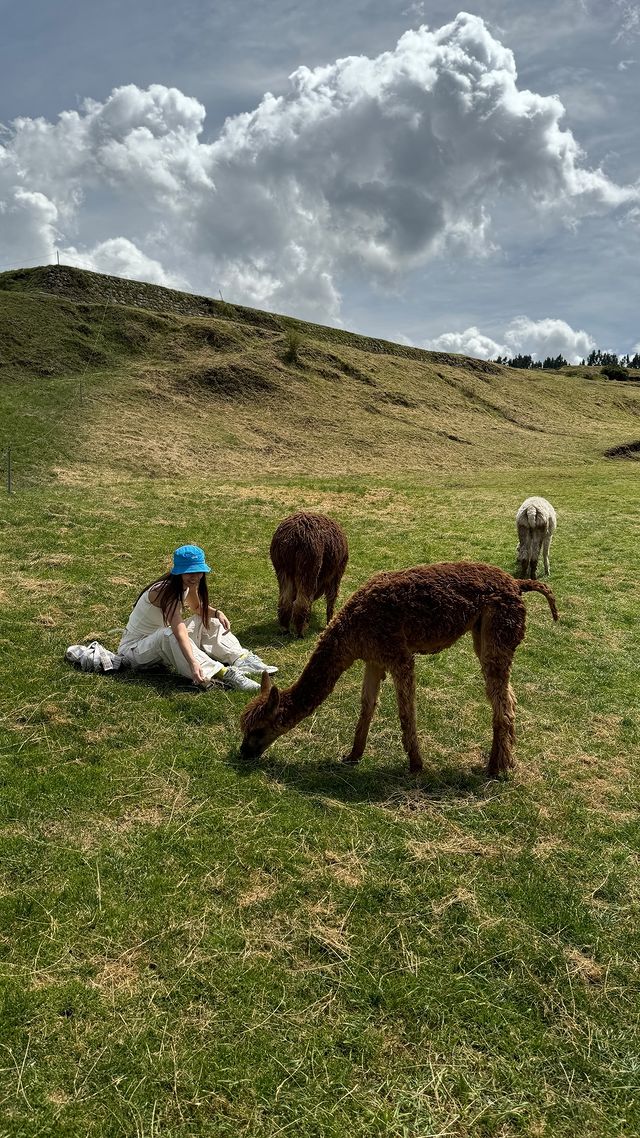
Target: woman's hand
[(197, 675), (179, 630), (219, 615)]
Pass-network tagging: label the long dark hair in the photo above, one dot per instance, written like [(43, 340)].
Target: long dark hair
[(171, 592)]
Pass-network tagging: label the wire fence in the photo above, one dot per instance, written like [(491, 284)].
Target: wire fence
[(10, 266), (51, 259)]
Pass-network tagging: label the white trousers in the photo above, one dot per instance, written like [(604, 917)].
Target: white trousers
[(213, 648)]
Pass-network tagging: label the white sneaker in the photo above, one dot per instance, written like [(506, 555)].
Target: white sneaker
[(236, 681), (252, 663)]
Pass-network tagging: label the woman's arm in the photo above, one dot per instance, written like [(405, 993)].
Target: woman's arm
[(218, 614), (179, 630), (193, 602)]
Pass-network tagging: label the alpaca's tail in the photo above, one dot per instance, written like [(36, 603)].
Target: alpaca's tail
[(532, 517), (537, 587)]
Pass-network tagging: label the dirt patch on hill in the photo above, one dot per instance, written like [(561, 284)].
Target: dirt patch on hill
[(210, 337), (395, 398), (346, 368), (624, 450), (233, 380)]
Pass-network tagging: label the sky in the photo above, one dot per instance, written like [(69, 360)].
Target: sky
[(459, 179)]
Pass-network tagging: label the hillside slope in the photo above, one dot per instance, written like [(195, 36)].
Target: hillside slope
[(145, 380)]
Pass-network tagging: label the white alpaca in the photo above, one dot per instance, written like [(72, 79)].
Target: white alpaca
[(536, 522)]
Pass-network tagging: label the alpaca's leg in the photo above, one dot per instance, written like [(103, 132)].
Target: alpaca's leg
[(331, 594), (285, 600), (501, 697), (307, 572), (495, 664), (404, 678), (545, 552), (537, 539), (373, 677), (496, 657), (476, 632), (301, 611)]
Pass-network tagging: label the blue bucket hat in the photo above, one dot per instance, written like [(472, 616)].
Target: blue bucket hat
[(189, 559)]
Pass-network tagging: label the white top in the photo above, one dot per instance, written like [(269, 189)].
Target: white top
[(145, 619)]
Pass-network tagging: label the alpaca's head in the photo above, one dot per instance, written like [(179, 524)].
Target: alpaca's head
[(259, 721)]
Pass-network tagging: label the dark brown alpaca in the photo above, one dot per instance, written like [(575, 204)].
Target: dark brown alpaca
[(385, 623), (309, 554)]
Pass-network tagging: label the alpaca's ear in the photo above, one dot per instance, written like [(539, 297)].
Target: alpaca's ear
[(273, 701), (273, 695)]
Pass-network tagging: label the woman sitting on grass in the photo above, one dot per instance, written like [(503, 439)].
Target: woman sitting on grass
[(200, 647)]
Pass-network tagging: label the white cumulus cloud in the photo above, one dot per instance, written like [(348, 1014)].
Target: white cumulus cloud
[(121, 258), (522, 336), (471, 342), (540, 338), (366, 167)]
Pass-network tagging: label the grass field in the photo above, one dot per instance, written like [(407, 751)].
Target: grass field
[(192, 945)]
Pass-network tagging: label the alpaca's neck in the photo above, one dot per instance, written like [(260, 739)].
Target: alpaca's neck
[(318, 679)]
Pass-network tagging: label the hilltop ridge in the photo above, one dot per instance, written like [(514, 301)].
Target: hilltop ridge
[(84, 286), (152, 380)]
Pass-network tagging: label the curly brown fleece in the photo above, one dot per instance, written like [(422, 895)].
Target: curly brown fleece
[(309, 553), (386, 622)]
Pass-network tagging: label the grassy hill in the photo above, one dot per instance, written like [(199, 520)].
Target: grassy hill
[(193, 945), (151, 382)]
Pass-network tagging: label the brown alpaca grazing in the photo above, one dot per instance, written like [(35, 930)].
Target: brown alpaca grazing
[(386, 622), (309, 553)]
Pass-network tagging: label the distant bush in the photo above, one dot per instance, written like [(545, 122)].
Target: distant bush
[(614, 371), (224, 309), (292, 346)]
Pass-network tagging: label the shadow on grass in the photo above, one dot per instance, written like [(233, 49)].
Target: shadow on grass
[(365, 782), (261, 633), (269, 633), (161, 679)]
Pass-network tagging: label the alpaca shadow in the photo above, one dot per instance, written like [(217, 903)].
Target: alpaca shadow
[(262, 634), (365, 782), (270, 634)]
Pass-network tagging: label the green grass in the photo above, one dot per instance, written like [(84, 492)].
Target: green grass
[(193, 945)]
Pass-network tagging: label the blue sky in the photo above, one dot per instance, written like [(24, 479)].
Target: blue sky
[(464, 179)]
